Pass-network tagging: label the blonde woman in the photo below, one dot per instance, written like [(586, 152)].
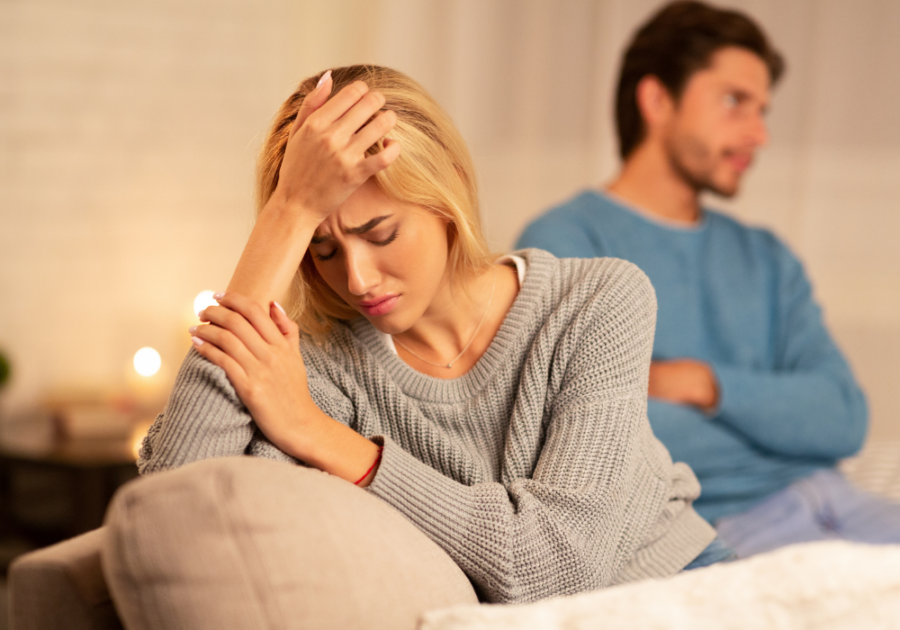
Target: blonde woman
[(498, 404)]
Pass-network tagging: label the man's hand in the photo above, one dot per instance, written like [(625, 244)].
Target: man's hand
[(684, 381)]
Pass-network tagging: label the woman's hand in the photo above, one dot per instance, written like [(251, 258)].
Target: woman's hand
[(260, 353), (325, 161), (325, 158)]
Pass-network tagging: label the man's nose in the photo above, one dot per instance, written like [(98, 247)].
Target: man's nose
[(760, 131)]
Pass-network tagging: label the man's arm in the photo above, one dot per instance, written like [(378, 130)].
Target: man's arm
[(808, 404)]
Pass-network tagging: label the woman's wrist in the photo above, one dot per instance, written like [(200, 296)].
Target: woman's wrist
[(292, 214), (273, 253), (328, 445)]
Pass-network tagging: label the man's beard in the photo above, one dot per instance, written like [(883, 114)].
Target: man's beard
[(695, 164)]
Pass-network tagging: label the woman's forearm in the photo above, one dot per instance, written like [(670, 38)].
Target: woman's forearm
[(273, 253)]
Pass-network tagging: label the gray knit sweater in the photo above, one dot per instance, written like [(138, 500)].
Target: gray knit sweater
[(536, 471)]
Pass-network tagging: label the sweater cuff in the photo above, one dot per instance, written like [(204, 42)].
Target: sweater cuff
[(732, 394), (421, 493), (444, 509)]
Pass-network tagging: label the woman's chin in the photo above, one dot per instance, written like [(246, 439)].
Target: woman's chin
[(390, 324)]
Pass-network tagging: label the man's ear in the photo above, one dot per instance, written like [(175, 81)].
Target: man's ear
[(654, 102)]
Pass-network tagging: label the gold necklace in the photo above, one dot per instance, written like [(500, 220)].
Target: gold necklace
[(475, 334)]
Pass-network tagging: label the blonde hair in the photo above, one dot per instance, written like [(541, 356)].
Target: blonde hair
[(434, 171)]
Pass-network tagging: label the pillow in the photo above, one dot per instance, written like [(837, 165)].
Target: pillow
[(244, 542)]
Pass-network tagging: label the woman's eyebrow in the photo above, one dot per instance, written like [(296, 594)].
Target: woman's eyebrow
[(368, 225), (362, 229)]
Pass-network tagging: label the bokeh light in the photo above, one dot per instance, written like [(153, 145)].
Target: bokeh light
[(203, 299), (147, 361)]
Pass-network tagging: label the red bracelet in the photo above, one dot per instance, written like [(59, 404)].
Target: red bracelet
[(371, 468)]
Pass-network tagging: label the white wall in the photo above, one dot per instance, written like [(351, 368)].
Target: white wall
[(128, 133)]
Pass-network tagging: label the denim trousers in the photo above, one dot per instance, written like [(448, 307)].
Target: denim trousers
[(823, 506)]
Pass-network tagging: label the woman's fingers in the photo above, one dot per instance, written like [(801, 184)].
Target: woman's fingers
[(225, 340), (233, 370), (381, 160), (339, 104), (285, 324), (357, 116), (313, 101), (377, 128), (254, 314), (238, 325)]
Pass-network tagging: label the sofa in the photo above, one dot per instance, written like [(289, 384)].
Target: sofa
[(213, 545)]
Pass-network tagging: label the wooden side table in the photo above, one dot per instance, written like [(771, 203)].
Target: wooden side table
[(88, 471)]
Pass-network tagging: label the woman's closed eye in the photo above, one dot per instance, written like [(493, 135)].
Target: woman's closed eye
[(387, 241), (373, 239), (324, 257)]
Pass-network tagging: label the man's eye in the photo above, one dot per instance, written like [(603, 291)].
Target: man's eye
[(730, 101)]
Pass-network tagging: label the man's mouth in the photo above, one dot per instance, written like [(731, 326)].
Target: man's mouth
[(740, 162)]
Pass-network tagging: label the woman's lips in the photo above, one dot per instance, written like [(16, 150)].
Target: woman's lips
[(379, 306)]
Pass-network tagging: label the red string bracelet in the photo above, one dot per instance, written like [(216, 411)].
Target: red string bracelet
[(371, 468)]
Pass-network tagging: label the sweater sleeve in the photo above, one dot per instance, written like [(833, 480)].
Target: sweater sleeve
[(809, 404), (599, 482), (205, 418)]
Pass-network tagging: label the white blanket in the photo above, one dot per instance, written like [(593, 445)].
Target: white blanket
[(831, 585)]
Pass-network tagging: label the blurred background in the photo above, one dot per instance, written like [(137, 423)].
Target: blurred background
[(128, 134)]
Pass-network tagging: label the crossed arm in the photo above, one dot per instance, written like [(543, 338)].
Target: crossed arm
[(806, 404)]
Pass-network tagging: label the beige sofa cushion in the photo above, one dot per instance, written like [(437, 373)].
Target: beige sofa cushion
[(62, 587), (250, 543)]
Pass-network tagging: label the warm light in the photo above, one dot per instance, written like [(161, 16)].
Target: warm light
[(147, 361), (138, 435), (203, 299)]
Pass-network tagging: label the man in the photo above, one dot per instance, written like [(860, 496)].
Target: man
[(746, 384)]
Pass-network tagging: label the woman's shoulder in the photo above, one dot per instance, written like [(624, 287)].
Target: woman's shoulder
[(586, 280), (583, 302)]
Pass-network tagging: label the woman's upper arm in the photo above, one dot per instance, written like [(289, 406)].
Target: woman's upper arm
[(204, 418), (607, 347)]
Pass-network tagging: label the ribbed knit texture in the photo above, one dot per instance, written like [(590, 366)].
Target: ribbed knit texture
[(536, 471), (736, 298)]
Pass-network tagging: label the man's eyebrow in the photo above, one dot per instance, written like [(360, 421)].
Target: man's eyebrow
[(362, 229)]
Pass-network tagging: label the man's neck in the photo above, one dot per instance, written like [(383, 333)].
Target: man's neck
[(648, 181)]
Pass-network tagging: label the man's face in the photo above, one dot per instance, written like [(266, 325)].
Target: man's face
[(719, 121)]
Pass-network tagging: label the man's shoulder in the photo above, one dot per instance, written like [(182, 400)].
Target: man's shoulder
[(577, 209), (574, 228)]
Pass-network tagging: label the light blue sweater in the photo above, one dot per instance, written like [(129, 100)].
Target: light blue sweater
[(736, 298)]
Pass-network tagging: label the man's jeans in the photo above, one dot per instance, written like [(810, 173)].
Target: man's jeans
[(823, 506)]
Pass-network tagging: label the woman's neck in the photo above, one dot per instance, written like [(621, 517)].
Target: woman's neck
[(463, 318)]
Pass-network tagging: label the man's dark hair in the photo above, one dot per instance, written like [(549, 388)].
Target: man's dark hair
[(674, 44)]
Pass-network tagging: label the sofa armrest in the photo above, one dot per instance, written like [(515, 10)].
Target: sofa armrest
[(62, 587)]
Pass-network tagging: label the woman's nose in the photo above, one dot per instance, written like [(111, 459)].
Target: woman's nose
[(362, 275)]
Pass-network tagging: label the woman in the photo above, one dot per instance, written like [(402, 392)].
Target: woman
[(499, 405)]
